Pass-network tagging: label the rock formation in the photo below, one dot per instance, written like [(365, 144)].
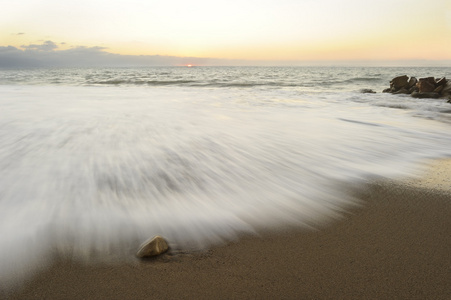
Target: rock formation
[(428, 87), (367, 91)]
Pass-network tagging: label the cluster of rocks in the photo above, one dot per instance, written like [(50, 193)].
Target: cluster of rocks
[(428, 87)]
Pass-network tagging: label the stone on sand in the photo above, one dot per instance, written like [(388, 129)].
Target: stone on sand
[(152, 247)]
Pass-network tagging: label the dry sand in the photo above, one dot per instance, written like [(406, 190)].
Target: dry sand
[(397, 245)]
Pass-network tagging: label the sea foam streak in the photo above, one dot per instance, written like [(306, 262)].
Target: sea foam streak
[(97, 170)]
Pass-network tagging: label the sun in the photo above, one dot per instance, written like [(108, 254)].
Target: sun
[(189, 66)]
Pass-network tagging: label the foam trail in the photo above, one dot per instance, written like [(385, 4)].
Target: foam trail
[(87, 171)]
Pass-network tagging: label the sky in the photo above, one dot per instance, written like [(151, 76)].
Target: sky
[(225, 31)]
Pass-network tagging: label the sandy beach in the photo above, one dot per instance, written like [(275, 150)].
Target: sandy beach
[(395, 245)]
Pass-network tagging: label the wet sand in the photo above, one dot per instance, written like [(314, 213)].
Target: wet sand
[(396, 245)]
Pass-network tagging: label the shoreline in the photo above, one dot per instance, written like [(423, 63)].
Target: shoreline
[(394, 245)]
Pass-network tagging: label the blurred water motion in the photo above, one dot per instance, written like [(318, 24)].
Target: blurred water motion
[(97, 170)]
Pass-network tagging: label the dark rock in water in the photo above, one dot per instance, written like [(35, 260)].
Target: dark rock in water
[(399, 82), (446, 92), (425, 95), (441, 82), (401, 91), (412, 82), (367, 91), (152, 247), (438, 89), (426, 85), (428, 79), (413, 89)]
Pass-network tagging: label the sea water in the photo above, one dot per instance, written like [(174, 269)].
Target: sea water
[(95, 161)]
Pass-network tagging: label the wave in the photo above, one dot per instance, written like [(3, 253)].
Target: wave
[(209, 83), (194, 83), (396, 106), (336, 81), (103, 171), (362, 79), (140, 82), (253, 84), (359, 122)]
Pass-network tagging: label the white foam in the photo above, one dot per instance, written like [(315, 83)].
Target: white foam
[(88, 170)]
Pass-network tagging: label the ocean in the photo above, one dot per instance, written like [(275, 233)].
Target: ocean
[(95, 161)]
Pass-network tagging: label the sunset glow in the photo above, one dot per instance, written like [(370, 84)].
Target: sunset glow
[(254, 30)]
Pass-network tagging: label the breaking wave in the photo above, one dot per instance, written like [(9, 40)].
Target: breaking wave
[(91, 167)]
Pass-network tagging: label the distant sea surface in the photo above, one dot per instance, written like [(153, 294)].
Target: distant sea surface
[(95, 161)]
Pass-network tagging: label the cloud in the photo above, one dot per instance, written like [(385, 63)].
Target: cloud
[(48, 55), (84, 49), (11, 57), (46, 46), (19, 33), (8, 49)]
